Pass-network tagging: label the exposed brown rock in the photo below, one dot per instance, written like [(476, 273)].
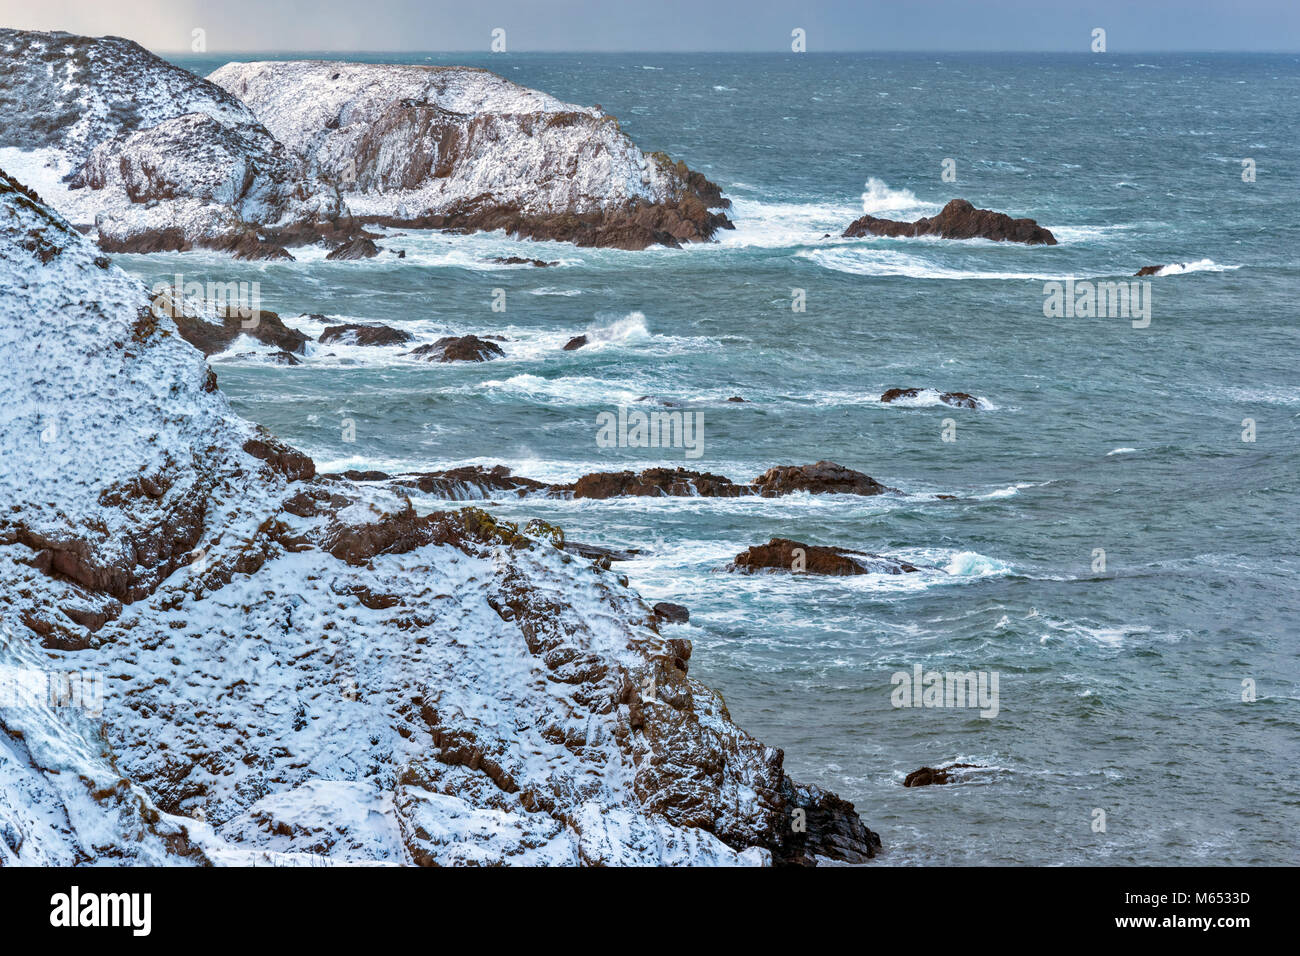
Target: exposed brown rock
[(955, 399), (927, 776), (823, 477), (577, 342), (1148, 270), (358, 334), (672, 613), (469, 481), (359, 248), (832, 830), (601, 555), (657, 481), (957, 220), (779, 554), (520, 261), (211, 338), (360, 475), (287, 461), (462, 348)]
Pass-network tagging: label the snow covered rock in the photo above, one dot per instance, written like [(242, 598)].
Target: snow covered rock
[(271, 667), (462, 148), (153, 156)]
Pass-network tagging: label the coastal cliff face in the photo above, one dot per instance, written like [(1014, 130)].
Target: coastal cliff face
[(296, 670), (153, 156), (270, 155), (453, 147)]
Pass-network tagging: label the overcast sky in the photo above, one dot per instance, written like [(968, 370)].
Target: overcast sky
[(660, 25)]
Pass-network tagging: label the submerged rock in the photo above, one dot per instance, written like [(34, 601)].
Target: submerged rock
[(957, 220), (459, 348), (782, 554)]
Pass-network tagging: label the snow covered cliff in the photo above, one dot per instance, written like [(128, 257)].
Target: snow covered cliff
[(269, 155), (208, 654), (465, 148), (152, 155)]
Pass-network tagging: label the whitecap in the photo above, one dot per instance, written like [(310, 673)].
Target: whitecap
[(1200, 265), (891, 262)]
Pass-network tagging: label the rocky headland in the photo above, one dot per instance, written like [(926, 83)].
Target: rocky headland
[(296, 669)]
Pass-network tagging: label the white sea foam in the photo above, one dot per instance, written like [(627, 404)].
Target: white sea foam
[(1120, 451), (629, 329), (880, 198), (891, 262), (1200, 265), (930, 397), (575, 390)]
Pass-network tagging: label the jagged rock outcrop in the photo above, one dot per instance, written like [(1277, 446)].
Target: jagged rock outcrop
[(352, 333), (957, 220), (672, 613), (521, 261), (459, 348), (1149, 271), (362, 247), (819, 478), (955, 399), (307, 671), (653, 482), (783, 554), (213, 328), (153, 156), (460, 148), (474, 481), (929, 776)]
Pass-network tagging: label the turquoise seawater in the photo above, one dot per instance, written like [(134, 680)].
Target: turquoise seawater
[(1120, 689)]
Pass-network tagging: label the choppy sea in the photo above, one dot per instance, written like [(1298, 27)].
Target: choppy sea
[(1121, 550)]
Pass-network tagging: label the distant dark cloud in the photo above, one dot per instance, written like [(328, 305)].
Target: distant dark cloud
[(660, 25)]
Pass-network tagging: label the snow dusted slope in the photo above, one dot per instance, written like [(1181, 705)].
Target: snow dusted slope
[(291, 669), (465, 148), (155, 156)]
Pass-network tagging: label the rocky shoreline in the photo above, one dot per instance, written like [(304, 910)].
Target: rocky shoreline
[(300, 663), (472, 482), (262, 157)]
